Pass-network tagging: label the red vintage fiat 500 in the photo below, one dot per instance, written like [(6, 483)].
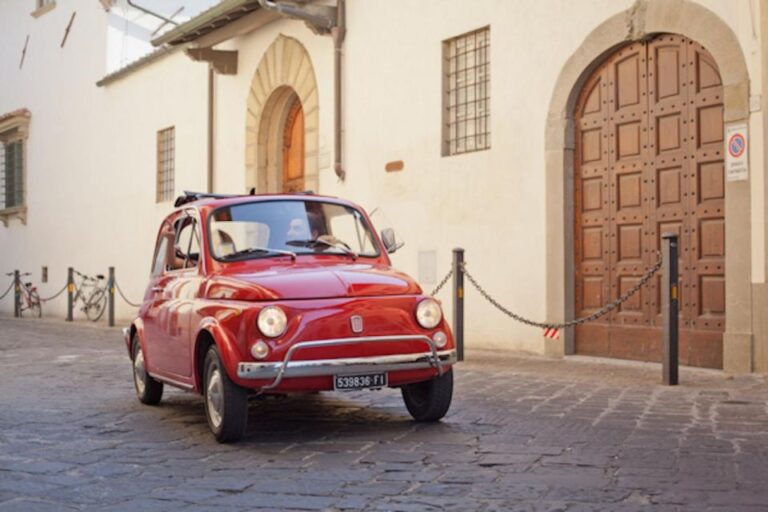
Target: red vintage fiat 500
[(277, 294)]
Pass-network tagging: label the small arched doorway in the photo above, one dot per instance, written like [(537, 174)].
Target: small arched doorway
[(648, 159), (282, 121)]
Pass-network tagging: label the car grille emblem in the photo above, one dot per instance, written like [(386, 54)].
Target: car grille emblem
[(357, 323)]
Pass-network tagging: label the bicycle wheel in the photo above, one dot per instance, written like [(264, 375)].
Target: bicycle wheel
[(96, 305), (35, 307), (30, 304)]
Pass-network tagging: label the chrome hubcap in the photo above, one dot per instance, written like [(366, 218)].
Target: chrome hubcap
[(139, 372), (214, 397)]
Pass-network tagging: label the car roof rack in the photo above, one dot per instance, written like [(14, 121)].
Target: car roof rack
[(190, 197)]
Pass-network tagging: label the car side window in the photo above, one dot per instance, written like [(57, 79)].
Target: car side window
[(162, 249), (160, 256), (187, 244)]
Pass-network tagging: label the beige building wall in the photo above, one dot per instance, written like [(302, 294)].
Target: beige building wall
[(94, 178), (493, 203)]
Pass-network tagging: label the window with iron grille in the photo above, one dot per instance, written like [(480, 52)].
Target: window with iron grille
[(14, 133), (11, 174), (466, 92), (166, 155)]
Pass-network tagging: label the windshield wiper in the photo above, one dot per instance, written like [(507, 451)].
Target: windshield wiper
[(332, 242), (259, 250)]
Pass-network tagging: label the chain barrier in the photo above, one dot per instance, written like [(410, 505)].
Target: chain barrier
[(442, 282), (578, 321), (55, 294), (124, 297), (6, 292)]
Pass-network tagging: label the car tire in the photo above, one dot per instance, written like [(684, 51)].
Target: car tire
[(148, 390), (429, 400), (226, 403)]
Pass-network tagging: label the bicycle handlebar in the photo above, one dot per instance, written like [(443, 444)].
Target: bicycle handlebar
[(89, 278), (20, 275)]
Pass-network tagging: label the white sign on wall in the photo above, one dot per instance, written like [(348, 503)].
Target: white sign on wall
[(736, 165)]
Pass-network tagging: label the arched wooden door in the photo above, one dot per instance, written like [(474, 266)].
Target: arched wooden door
[(649, 160), (293, 149)]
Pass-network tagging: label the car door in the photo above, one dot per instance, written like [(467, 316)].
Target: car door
[(173, 291), (180, 290), (154, 299)]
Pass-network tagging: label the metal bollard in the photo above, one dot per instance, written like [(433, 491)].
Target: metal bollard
[(16, 294), (670, 308), (70, 292), (111, 296), (458, 301)]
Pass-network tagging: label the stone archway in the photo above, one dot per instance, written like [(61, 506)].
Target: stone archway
[(284, 73), (647, 17)]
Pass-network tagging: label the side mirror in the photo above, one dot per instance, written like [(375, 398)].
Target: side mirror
[(390, 242)]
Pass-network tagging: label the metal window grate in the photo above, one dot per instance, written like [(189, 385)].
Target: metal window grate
[(11, 174), (166, 153), (466, 98)]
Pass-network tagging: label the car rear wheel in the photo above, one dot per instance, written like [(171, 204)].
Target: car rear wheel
[(148, 390), (429, 400), (226, 403)]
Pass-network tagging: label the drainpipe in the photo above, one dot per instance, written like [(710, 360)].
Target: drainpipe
[(322, 19), (211, 127), (338, 33)]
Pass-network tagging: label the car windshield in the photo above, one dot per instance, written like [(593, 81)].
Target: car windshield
[(271, 228)]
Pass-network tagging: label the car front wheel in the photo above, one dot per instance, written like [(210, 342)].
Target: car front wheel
[(148, 389), (429, 400), (226, 403)]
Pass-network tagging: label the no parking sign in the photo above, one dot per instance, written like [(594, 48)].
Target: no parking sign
[(736, 167)]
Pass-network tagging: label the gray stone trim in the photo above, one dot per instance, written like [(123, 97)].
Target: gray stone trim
[(644, 18)]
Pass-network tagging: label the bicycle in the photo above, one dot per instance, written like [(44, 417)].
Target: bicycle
[(92, 296), (30, 299)]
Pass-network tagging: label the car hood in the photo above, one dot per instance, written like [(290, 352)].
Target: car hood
[(312, 282)]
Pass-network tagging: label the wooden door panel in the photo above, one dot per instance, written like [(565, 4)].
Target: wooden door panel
[(293, 149), (707, 204), (649, 133), (592, 236), (627, 127)]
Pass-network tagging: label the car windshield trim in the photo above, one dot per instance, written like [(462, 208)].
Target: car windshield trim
[(359, 214)]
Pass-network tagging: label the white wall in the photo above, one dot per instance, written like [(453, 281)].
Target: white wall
[(491, 202), (90, 184)]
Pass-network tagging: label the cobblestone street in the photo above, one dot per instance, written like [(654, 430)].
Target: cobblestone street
[(524, 434)]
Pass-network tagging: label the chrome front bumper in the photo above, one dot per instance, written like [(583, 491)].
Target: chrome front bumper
[(323, 367)]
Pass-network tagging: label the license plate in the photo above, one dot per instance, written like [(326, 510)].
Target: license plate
[(352, 382)]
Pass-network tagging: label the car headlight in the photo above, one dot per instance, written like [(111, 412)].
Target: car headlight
[(272, 321), (428, 313)]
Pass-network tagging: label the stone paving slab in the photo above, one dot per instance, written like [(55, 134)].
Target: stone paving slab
[(524, 434)]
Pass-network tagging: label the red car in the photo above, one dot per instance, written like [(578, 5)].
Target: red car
[(274, 294)]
